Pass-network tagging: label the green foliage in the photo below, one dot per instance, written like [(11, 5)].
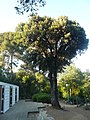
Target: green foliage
[(42, 83), (75, 85), (70, 81), (5, 75), (3, 78), (41, 97), (8, 52), (30, 6), (86, 86), (26, 81), (50, 44), (30, 82)]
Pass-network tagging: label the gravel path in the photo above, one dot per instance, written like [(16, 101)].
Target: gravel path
[(71, 112), (20, 112)]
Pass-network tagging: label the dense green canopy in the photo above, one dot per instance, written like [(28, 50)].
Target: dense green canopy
[(72, 80), (50, 44), (53, 42)]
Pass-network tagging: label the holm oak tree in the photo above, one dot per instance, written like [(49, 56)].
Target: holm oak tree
[(50, 45)]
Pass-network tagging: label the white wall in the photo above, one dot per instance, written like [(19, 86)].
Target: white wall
[(13, 95), (7, 95), (17, 93)]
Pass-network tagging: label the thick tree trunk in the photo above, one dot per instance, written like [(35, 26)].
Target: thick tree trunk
[(54, 91)]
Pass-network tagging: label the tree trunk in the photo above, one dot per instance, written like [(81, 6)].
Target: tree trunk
[(54, 91), (11, 66)]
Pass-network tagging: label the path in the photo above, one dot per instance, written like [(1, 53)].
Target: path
[(71, 112), (21, 109)]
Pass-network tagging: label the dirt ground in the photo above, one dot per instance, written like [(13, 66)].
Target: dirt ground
[(70, 112)]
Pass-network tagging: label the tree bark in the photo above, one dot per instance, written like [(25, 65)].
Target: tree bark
[(11, 66), (54, 90)]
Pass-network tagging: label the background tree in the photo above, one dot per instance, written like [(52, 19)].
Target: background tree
[(31, 83), (70, 84), (30, 6), (86, 86), (8, 52), (3, 76), (43, 84), (50, 45), (26, 82)]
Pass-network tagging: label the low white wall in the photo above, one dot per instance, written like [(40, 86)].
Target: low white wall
[(13, 95), (17, 93), (7, 95)]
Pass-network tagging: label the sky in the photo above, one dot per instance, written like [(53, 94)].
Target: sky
[(75, 10)]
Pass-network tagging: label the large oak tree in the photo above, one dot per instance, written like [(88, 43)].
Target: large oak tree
[(50, 45)]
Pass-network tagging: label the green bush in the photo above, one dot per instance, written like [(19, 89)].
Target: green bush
[(41, 97), (35, 97)]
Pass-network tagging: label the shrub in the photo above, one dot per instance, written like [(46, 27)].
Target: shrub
[(35, 97), (41, 97)]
